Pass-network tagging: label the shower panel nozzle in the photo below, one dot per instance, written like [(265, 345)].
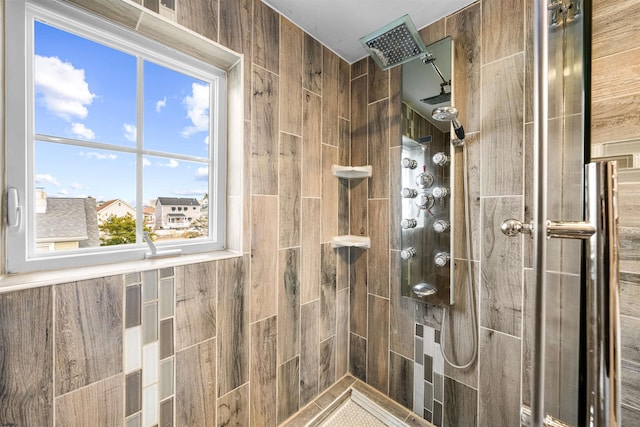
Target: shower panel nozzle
[(444, 114), (395, 43)]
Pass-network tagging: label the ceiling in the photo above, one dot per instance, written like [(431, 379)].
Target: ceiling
[(339, 24)]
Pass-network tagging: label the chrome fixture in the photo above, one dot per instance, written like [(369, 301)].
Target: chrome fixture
[(444, 114), (409, 163), (425, 201), (408, 223), (440, 226), (441, 159), (441, 259), (395, 43), (424, 289), (440, 192), (408, 253), (445, 86), (408, 193), (424, 180)]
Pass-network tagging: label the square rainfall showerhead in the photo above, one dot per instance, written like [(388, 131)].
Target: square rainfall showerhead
[(395, 43)]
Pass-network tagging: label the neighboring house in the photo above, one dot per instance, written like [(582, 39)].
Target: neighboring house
[(64, 223), (114, 207), (176, 212), (149, 215)]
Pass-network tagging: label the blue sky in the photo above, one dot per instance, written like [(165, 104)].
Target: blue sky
[(87, 91)]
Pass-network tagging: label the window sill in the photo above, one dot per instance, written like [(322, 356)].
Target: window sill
[(22, 281)]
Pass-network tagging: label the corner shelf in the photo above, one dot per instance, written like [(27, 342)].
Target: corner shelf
[(352, 172), (351, 241)]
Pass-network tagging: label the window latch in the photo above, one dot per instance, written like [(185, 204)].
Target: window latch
[(14, 210), (155, 253)]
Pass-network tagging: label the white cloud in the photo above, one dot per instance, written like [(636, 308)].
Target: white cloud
[(130, 132), (98, 156), (206, 140), (62, 87), (82, 132), (145, 162), (161, 104), (76, 186), (197, 105), (46, 179), (172, 163), (202, 174), (63, 192), (198, 192)]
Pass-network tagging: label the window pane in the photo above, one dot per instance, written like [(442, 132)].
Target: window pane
[(83, 90), (83, 197), (178, 190), (176, 112)]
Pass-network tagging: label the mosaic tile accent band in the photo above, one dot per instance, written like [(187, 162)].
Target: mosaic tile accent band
[(428, 375)]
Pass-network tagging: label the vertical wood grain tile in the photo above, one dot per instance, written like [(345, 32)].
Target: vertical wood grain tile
[(88, 332), (266, 37), (233, 408), (342, 333), (233, 329), (359, 121), (264, 132), (236, 22), (378, 147), (401, 312), (312, 65), (378, 82), (502, 131), (343, 267), (378, 339), (358, 356), (358, 214), (395, 107), (327, 363), (401, 379), (501, 302), (26, 370), (433, 32), (288, 303), (499, 387), (196, 385), (378, 256), (263, 372), (98, 404), (503, 29), (199, 16), (630, 384), (311, 145), (460, 404), (344, 89), (288, 398), (264, 256), (195, 304), (329, 97), (615, 119), (289, 171), (344, 143), (359, 68), (464, 27), (358, 295), (344, 158), (309, 351), (329, 213), (327, 292), (615, 27), (291, 42), (630, 416), (310, 259)]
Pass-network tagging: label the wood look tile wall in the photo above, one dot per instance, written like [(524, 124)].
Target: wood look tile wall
[(243, 341), (615, 88)]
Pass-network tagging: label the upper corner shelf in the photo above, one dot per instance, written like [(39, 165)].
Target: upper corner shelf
[(351, 172), (351, 241)]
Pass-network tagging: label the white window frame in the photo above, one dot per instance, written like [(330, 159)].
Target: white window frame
[(19, 49)]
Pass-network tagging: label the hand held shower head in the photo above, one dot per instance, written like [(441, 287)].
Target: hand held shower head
[(444, 114)]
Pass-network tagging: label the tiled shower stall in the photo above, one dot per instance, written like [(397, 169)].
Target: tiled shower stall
[(252, 339)]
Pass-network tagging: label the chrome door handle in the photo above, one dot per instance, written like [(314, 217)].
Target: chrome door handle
[(513, 227)]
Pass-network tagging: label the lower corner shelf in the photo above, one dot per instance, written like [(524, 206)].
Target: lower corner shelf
[(351, 241)]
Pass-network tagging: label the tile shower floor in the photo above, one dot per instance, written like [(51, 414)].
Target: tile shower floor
[(352, 403)]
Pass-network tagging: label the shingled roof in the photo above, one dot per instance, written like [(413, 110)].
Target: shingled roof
[(178, 201), (68, 219)]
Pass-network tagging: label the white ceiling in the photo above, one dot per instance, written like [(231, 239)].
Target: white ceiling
[(339, 24)]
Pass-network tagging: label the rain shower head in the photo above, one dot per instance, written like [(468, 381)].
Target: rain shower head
[(395, 43), (444, 114)]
